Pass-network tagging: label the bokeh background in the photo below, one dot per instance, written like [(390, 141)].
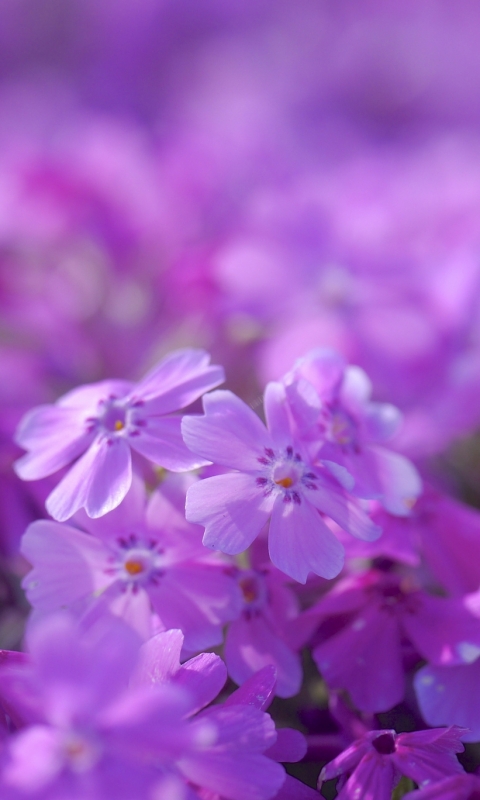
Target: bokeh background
[(256, 177)]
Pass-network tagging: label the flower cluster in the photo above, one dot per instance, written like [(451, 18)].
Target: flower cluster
[(134, 577), (240, 370)]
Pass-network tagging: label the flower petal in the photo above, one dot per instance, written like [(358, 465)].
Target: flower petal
[(251, 644), (229, 433), (98, 481), (299, 542), (178, 380), (67, 565), (55, 436), (232, 508), (161, 441)]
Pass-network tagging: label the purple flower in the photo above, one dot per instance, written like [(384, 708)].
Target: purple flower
[(449, 692), (238, 745), (373, 615), (275, 480), (457, 787), (374, 764), (425, 536), (98, 424), (141, 562), (263, 633), (331, 405), (87, 734), (104, 718)]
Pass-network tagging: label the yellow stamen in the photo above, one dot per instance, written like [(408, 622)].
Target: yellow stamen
[(410, 502), (133, 567), (119, 425), (285, 482)]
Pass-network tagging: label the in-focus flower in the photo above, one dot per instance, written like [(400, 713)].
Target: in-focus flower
[(374, 764), (275, 480), (330, 403), (141, 562), (100, 423)]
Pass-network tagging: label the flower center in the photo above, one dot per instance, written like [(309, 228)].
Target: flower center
[(113, 417), (80, 752), (286, 475), (385, 744), (254, 591), (249, 588), (134, 566), (137, 562)]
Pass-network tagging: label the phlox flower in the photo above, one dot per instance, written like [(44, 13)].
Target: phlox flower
[(99, 424), (375, 763), (269, 630), (204, 677), (425, 537), (275, 480), (142, 562), (449, 692), (373, 615), (457, 787), (331, 405), (86, 734)]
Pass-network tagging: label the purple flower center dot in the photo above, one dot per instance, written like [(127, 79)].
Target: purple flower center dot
[(384, 744)]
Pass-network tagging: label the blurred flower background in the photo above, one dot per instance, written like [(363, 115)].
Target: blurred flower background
[(255, 177)]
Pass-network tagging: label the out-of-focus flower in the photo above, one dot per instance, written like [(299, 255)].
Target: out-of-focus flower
[(99, 716), (267, 630), (457, 787), (374, 613)]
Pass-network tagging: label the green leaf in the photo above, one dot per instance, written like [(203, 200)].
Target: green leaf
[(405, 785)]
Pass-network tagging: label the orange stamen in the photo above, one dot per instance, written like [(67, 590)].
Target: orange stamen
[(285, 482), (133, 567)]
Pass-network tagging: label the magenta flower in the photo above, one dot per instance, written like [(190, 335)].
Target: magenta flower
[(275, 480), (457, 787), (331, 405), (143, 563), (100, 423), (425, 536), (373, 765), (374, 614)]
